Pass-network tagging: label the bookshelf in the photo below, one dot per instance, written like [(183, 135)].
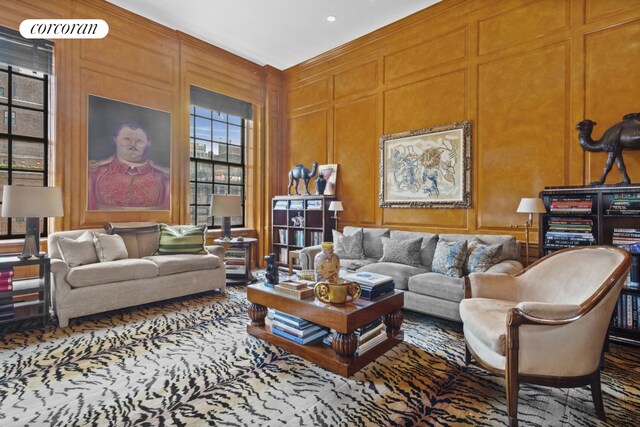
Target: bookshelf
[(298, 222), (599, 215), (24, 298)]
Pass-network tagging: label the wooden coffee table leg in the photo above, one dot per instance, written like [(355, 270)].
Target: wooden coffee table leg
[(344, 345), (393, 321), (257, 313)]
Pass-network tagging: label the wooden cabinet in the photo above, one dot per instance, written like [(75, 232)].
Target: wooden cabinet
[(299, 221), (24, 298), (599, 215)]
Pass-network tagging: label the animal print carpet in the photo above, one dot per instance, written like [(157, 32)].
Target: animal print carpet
[(190, 362)]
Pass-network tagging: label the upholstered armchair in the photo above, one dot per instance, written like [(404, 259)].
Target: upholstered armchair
[(546, 325)]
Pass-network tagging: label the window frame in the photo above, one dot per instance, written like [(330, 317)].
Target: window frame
[(194, 162), (12, 137)]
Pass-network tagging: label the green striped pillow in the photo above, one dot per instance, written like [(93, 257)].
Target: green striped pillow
[(183, 240)]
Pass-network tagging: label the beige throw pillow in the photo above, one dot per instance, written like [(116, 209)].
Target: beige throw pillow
[(78, 251), (110, 247)]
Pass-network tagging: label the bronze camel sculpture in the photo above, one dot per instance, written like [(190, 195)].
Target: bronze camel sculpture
[(624, 135), (298, 172)]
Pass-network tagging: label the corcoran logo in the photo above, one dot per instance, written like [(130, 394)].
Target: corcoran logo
[(64, 28)]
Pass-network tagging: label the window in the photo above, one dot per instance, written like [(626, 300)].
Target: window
[(24, 97), (218, 147)]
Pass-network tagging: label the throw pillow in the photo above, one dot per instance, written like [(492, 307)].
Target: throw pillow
[(401, 251), (481, 257), (78, 251), (348, 246), (449, 258), (183, 240), (110, 247)]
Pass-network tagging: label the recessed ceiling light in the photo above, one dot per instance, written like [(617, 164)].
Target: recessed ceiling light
[(331, 18)]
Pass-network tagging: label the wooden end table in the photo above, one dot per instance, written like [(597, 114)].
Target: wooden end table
[(341, 356), (244, 246)]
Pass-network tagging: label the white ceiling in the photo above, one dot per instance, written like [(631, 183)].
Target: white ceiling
[(280, 33)]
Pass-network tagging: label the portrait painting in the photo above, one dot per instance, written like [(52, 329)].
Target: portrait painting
[(428, 168), (129, 156), (330, 175)]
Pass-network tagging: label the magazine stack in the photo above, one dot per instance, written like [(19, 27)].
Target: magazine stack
[(296, 329), (372, 284)]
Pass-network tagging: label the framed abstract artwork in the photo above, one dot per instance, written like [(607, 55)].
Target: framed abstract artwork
[(129, 156), (426, 168)]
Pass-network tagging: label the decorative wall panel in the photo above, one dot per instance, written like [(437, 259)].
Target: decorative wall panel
[(355, 80), (309, 95), (596, 9), (307, 142)]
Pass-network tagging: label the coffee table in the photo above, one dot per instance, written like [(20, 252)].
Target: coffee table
[(340, 357)]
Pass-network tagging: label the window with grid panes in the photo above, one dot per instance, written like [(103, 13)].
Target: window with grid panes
[(217, 151), (23, 135)]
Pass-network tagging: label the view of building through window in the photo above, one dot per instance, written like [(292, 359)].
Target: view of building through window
[(217, 164), (23, 135)]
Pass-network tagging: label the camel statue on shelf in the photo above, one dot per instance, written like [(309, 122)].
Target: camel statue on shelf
[(624, 135), (299, 172)]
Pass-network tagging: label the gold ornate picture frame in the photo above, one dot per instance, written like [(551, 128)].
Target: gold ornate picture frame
[(426, 168)]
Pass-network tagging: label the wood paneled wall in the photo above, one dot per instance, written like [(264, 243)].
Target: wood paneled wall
[(144, 63), (524, 72)]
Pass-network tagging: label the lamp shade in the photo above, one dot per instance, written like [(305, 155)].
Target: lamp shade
[(335, 206), (223, 205), (531, 205), (20, 201)]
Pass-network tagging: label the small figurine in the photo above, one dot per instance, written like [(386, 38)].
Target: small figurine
[(624, 135), (298, 221), (272, 275), (321, 183), (298, 172)]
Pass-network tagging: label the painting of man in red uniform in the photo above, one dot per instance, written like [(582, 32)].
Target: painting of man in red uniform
[(124, 171)]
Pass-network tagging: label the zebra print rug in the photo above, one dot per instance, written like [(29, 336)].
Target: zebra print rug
[(190, 362)]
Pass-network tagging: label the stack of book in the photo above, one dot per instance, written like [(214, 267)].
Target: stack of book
[(564, 232), (280, 205), (571, 205), (372, 284), (624, 204), (298, 238), (314, 204), (368, 335), (235, 262), (282, 234), (296, 329), (6, 303), (626, 315), (316, 238), (625, 236), (296, 204), (294, 289)]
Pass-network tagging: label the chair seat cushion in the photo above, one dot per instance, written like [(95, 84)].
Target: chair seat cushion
[(111, 271), (486, 319), (438, 285), (172, 264)]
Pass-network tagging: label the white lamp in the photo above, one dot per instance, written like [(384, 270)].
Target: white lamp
[(530, 206), (336, 207), (223, 206), (31, 203)]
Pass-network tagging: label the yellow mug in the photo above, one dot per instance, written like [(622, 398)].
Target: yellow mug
[(337, 292)]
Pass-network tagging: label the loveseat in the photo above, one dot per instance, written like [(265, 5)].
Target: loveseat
[(96, 271), (426, 291)]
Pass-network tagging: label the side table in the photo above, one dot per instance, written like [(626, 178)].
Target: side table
[(237, 259)]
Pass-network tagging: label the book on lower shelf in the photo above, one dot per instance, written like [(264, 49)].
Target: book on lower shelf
[(296, 329), (6, 279), (624, 204), (284, 255), (626, 314), (571, 205)]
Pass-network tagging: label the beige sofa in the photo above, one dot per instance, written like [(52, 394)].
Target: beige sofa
[(141, 278), (425, 291)]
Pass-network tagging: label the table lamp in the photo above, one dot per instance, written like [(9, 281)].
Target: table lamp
[(31, 203), (336, 207), (530, 206), (224, 206)]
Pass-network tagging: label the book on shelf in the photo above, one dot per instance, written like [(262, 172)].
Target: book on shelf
[(281, 205), (290, 319), (282, 234), (298, 332), (316, 238), (314, 204), (368, 279), (571, 205), (6, 279), (33, 296), (370, 344), (298, 238), (294, 293), (235, 254), (303, 341), (284, 255), (296, 204), (23, 284)]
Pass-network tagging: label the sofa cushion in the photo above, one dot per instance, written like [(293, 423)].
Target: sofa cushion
[(181, 240), (348, 246), (481, 257), (355, 264), (401, 251), (371, 242), (112, 271), (438, 285), (172, 264), (486, 320), (428, 247), (449, 258), (400, 272), (510, 247), (80, 251), (109, 247)]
